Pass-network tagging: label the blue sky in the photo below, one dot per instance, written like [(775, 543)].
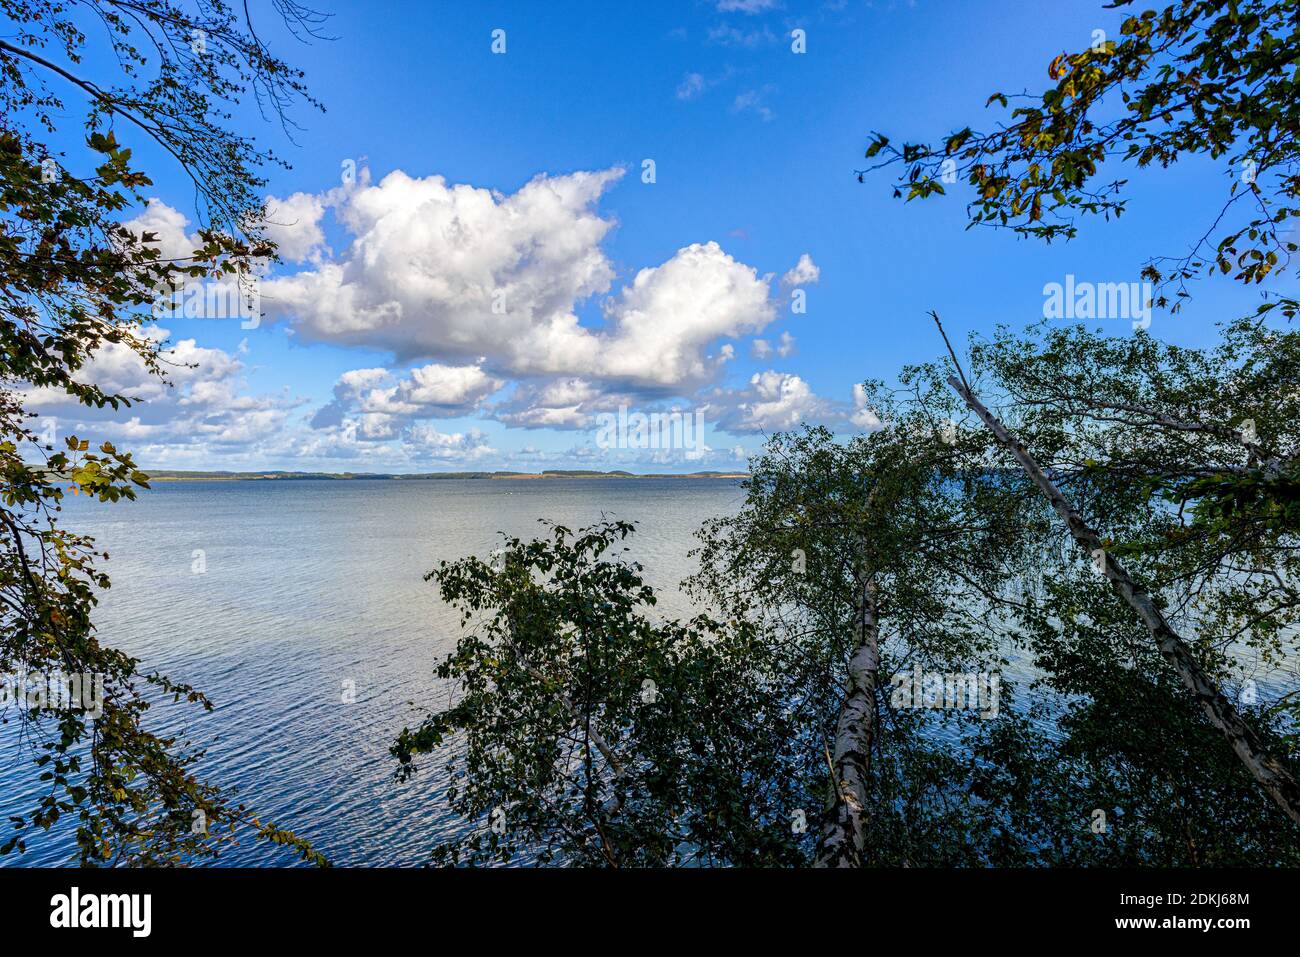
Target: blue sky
[(383, 349)]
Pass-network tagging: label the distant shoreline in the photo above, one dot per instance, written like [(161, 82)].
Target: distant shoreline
[(177, 475)]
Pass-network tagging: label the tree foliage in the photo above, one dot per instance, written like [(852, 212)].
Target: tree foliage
[(1198, 77), (73, 279), (591, 733)]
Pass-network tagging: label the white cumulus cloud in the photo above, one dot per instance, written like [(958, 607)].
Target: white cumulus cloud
[(293, 224), (454, 271), (773, 402), (384, 399), (805, 271)]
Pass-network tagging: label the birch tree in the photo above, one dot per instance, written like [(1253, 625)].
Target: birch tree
[(1146, 630), (864, 560), (1173, 470), (1277, 779)]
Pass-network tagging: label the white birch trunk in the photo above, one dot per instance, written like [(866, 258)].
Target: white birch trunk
[(1272, 776), (844, 825)]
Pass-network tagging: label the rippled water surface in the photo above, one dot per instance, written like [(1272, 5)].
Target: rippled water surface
[(309, 584)]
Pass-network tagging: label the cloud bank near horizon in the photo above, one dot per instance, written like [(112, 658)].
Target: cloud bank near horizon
[(495, 309)]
